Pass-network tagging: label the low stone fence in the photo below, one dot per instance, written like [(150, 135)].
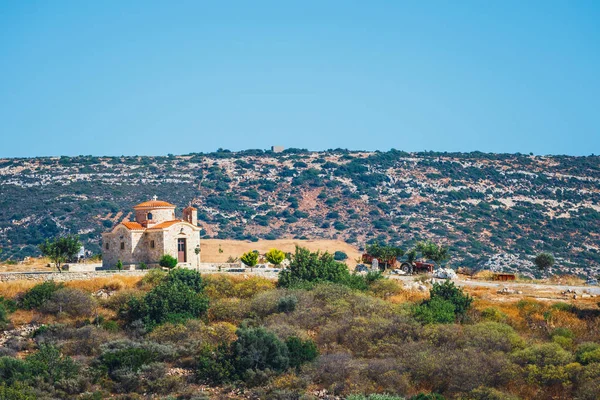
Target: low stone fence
[(205, 268), (63, 276)]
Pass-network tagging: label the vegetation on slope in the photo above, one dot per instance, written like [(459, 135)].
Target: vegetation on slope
[(262, 340)]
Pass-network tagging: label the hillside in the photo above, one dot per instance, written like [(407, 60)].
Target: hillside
[(493, 210)]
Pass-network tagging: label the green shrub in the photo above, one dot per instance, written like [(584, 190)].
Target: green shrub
[(168, 261), (340, 256), (131, 358), (173, 302), (153, 277), (178, 297), (214, 366), (428, 396), (187, 277), (588, 353), (39, 294), (287, 304), (487, 393), (447, 291), (275, 256), (306, 266), (493, 314), (300, 351), (14, 370), (435, 311), (374, 397), (250, 258), (17, 391), (257, 349), (50, 365)]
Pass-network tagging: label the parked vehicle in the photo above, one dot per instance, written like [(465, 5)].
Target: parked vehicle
[(417, 267)]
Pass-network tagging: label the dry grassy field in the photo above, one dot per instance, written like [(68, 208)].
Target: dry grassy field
[(235, 248)]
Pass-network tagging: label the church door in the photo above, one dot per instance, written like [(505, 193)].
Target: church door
[(181, 253)]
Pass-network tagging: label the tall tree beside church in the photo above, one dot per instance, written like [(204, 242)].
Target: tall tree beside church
[(61, 249)]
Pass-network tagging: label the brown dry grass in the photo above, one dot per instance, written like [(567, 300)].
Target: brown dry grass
[(115, 282), (32, 264), (235, 248), (13, 288)]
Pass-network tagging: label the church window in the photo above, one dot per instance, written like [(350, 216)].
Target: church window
[(106, 245), (152, 244), (149, 217), (122, 245)]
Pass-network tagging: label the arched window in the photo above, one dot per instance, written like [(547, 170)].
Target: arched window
[(149, 217)]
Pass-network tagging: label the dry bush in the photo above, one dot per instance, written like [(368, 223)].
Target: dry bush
[(572, 280), (71, 301), (220, 286), (265, 303), (115, 282), (22, 317), (568, 320), (484, 275), (250, 287), (385, 288), (232, 310), (11, 289), (194, 331), (119, 299), (408, 296), (84, 341)]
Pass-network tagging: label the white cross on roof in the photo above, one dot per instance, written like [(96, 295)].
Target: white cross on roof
[(155, 197)]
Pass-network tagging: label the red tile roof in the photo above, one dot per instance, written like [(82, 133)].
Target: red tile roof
[(154, 204), (166, 224), (133, 226)]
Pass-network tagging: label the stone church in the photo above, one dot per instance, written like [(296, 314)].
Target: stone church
[(154, 232)]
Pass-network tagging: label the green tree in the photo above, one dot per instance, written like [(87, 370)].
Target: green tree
[(544, 261), (306, 266), (386, 255), (167, 261), (432, 251), (250, 258), (61, 249), (275, 256)]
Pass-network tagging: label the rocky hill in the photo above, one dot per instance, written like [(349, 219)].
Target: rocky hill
[(493, 210)]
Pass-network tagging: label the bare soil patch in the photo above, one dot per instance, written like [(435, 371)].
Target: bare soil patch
[(235, 248)]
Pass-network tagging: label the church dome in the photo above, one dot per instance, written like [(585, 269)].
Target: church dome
[(154, 204)]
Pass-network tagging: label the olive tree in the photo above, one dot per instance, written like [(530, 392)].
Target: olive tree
[(544, 261), (61, 249)]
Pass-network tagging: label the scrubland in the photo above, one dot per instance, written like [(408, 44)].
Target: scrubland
[(183, 336)]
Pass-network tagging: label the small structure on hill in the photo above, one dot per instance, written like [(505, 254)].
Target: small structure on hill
[(154, 233), (277, 149)]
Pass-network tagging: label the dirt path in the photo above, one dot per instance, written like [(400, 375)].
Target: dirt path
[(519, 285)]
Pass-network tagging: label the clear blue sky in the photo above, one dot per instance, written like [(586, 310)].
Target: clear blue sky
[(150, 78)]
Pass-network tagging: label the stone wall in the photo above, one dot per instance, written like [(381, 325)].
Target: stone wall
[(83, 275), (64, 276)]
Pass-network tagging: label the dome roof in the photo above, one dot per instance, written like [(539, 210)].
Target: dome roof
[(154, 204)]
